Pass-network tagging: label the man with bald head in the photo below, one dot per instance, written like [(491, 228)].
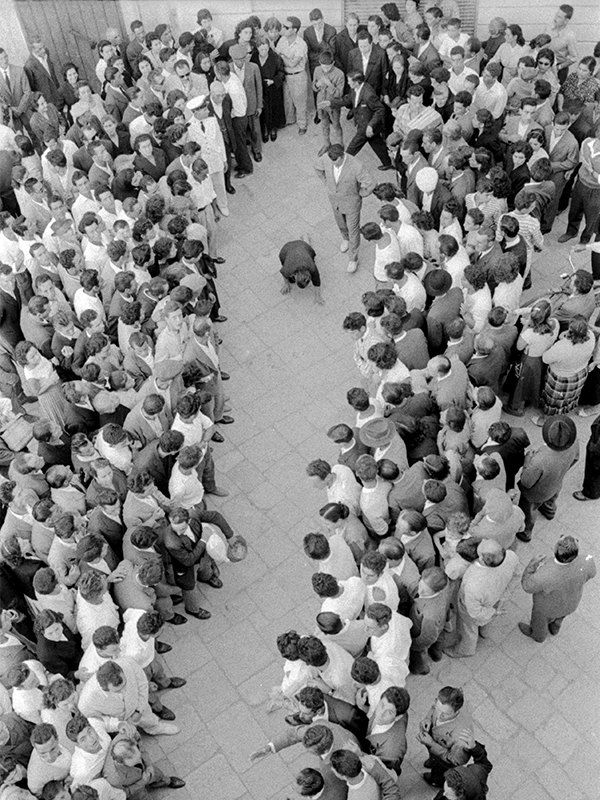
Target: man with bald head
[(483, 586)]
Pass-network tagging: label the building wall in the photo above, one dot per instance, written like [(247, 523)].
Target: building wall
[(535, 16), (12, 38), (181, 14)]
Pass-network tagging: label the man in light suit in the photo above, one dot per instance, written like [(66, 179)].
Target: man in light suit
[(249, 75), (15, 91), (563, 151), (347, 183), (369, 59), (201, 352), (40, 72), (368, 112)]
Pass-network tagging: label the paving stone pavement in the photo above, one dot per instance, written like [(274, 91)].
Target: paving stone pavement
[(536, 706)]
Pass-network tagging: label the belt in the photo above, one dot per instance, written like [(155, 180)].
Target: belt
[(298, 72)]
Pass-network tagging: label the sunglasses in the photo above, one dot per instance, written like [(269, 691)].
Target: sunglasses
[(287, 27), (184, 74)]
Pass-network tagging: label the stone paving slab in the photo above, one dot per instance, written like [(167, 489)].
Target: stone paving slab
[(536, 707)]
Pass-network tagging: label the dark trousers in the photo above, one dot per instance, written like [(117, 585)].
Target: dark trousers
[(551, 210), (376, 144), (585, 202), (242, 156), (10, 203), (530, 509), (542, 624)]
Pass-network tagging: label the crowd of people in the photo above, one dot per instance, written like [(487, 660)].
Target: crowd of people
[(112, 386)]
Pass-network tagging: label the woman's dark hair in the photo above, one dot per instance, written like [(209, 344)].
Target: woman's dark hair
[(578, 331)]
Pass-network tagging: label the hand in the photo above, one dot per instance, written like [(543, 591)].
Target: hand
[(424, 738), (578, 248), (467, 739), (260, 753), (135, 717), (127, 729), (67, 351), (319, 300), (269, 82), (285, 289), (324, 104), (74, 572), (369, 132)]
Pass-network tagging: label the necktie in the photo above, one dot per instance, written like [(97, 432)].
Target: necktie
[(7, 79)]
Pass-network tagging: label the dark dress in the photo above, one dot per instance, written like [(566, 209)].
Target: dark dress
[(591, 475), (273, 113)]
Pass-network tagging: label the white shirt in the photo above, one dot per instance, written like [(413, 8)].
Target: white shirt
[(87, 766), (345, 489), (81, 206), (185, 490), (391, 650), (413, 292), (350, 603), (340, 563), (89, 617), (208, 135), (138, 126), (337, 169), (387, 584), (235, 90), (409, 239), (337, 672), (132, 644)]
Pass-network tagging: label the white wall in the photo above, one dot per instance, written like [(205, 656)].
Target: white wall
[(12, 38), (535, 16), (181, 14)]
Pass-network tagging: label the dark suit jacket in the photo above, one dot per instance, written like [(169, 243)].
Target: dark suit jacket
[(376, 67), (350, 457), (369, 111), (487, 371), (441, 195), (148, 460), (10, 318), (19, 95), (253, 88), (430, 57), (348, 716), (148, 168), (115, 102), (315, 48), (42, 81), (391, 746), (19, 732)]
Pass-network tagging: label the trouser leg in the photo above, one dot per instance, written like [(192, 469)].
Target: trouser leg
[(218, 179), (548, 507), (298, 85), (575, 209), (539, 626), (357, 143), (242, 156), (530, 511), (353, 223), (255, 136), (378, 146), (340, 220), (468, 632), (591, 211)]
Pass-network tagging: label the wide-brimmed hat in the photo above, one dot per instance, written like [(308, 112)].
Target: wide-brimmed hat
[(437, 282), (559, 432), (377, 432)]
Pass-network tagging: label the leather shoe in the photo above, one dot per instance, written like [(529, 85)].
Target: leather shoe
[(265, 138), (219, 260), (428, 778), (257, 157), (384, 167), (525, 629), (429, 763), (294, 720), (301, 131), (177, 599), (273, 135), (566, 236), (218, 492), (230, 190), (241, 174), (216, 437), (162, 647), (202, 613), (221, 317), (225, 375), (225, 420), (175, 783), (524, 536), (166, 714), (317, 119), (215, 582), (177, 619), (176, 683)]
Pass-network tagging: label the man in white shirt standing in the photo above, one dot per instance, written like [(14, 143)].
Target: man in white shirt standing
[(294, 52), (490, 93), (239, 106), (205, 131)]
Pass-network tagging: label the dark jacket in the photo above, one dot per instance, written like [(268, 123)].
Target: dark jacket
[(369, 111), (376, 67), (60, 658)]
